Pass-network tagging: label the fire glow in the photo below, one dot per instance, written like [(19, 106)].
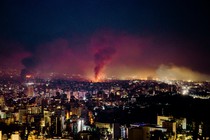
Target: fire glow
[(28, 76)]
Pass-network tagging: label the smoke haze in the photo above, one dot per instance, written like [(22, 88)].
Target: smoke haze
[(172, 72), (108, 54)]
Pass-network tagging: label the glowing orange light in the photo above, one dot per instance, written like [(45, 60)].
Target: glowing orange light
[(67, 115), (98, 78), (94, 79), (28, 76)]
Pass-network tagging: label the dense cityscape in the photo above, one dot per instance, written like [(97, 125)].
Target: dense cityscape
[(104, 70), (34, 108)]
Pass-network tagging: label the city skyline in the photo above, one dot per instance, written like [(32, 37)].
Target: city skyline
[(139, 39)]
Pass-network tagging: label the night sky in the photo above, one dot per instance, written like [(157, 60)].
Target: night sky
[(107, 38)]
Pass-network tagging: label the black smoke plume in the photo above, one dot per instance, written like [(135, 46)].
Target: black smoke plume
[(102, 57)]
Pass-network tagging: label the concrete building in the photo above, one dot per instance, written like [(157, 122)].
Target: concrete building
[(143, 131), (112, 129)]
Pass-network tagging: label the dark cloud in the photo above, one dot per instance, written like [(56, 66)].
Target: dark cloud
[(11, 54), (30, 62)]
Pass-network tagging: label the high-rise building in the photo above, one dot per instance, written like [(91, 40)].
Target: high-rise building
[(55, 125), (30, 91)]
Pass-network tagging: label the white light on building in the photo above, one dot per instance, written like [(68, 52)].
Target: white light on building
[(185, 90), (80, 125)]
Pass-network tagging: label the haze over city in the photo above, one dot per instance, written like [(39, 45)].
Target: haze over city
[(102, 39), (104, 70)]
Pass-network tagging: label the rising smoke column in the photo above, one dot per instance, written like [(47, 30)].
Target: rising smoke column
[(102, 57)]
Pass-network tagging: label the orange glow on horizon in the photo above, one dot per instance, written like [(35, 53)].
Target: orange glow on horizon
[(96, 79), (99, 78)]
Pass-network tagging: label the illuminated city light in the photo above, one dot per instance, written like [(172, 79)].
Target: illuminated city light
[(29, 83), (104, 70), (185, 90)]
